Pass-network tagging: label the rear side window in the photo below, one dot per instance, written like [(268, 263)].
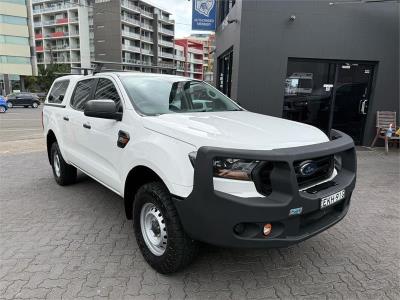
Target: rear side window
[(82, 94), (59, 89), (106, 90)]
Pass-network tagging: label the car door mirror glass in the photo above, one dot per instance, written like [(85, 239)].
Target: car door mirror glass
[(104, 109)]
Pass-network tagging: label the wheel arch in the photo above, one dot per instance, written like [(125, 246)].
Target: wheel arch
[(137, 176), (50, 139)]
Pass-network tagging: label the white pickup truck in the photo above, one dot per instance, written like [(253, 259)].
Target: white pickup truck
[(192, 165)]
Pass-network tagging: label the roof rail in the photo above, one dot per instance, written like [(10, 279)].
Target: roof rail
[(99, 66)]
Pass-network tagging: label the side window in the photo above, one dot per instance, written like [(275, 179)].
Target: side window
[(106, 90), (81, 94), (59, 89)]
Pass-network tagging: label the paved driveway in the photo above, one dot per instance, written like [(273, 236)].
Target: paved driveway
[(74, 242)]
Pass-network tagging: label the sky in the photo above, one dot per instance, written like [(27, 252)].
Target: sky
[(181, 11)]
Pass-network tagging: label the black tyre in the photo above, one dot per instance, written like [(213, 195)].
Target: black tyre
[(10, 104), (64, 174), (159, 233), (35, 105)]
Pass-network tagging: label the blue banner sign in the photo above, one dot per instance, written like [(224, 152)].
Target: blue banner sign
[(203, 15)]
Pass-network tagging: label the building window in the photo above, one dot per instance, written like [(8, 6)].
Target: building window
[(224, 79), (14, 60), (224, 8), (6, 19), (21, 2), (15, 40)]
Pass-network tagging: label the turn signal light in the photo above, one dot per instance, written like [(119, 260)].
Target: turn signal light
[(267, 229)]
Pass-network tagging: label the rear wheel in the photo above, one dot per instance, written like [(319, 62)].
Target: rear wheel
[(64, 174), (159, 233), (35, 105), (9, 104)]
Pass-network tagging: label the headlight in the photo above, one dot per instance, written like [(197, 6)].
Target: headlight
[(232, 168)]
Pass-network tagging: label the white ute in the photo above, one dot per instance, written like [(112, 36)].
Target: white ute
[(192, 165)]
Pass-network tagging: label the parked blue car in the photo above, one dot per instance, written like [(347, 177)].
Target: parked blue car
[(3, 104)]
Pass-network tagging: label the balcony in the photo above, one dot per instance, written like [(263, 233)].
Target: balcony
[(196, 51), (131, 21), (146, 13), (39, 48), (131, 48), (179, 57), (166, 55), (166, 65), (166, 43), (147, 39), (196, 61), (147, 51), (53, 8), (62, 21), (166, 19), (74, 33), (131, 34), (74, 20), (166, 31), (39, 36), (146, 26), (58, 34), (130, 6), (37, 24)]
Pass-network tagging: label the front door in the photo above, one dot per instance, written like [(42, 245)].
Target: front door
[(351, 98), (329, 94)]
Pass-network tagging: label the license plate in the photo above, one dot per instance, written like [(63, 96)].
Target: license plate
[(332, 199)]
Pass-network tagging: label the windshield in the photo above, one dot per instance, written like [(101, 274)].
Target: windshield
[(161, 95)]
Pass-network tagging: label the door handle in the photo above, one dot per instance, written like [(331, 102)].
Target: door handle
[(87, 126), (363, 107), (66, 118)]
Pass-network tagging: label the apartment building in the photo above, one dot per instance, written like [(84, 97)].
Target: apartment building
[(208, 41), (134, 33), (189, 54), (16, 59), (62, 32)]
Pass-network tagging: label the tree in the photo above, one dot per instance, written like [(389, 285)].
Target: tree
[(46, 75)]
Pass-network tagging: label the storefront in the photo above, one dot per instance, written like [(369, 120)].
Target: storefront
[(328, 64)]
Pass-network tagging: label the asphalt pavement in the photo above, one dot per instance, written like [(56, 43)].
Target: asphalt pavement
[(75, 243)]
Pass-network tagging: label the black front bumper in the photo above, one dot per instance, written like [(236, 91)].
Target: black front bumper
[(211, 216)]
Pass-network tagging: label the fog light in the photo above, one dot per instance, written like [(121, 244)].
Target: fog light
[(267, 229), (239, 228)]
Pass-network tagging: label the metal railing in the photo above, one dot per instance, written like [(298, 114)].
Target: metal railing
[(147, 39), (146, 13), (131, 20), (131, 48), (53, 8), (166, 43), (167, 55), (147, 51), (131, 34), (129, 5), (146, 26), (166, 31)]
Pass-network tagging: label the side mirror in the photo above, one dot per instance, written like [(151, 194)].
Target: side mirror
[(104, 109)]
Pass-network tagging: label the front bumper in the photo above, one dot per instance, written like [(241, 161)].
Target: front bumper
[(211, 216)]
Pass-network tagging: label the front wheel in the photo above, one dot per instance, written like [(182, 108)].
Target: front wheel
[(160, 236), (64, 174), (35, 105), (2, 109)]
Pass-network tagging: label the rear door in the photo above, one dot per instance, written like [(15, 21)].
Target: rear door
[(79, 149)]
